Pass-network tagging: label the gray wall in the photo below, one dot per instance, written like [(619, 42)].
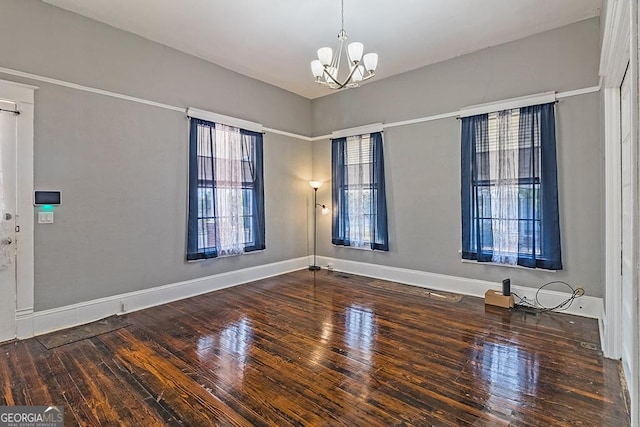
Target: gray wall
[(122, 166), (422, 161)]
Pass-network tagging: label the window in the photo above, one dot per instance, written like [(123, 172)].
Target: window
[(359, 200), (509, 188), (226, 196)]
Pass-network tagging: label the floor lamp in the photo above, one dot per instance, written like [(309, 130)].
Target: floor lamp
[(325, 210)]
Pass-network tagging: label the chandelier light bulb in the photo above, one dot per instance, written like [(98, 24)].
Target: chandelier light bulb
[(325, 54), (371, 62), (316, 68), (355, 50)]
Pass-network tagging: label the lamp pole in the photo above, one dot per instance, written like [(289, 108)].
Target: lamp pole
[(315, 267)]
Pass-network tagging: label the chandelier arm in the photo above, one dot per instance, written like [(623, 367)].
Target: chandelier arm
[(370, 75), (331, 77), (348, 79)]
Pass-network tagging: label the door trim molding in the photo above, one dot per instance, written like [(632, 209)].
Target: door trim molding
[(619, 56), (23, 96), (614, 58), (611, 344)]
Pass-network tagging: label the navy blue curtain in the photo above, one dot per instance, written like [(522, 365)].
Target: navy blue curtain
[(202, 187), (538, 215), (340, 219), (252, 149), (539, 225), (197, 168), (476, 230), (380, 234), (378, 208)]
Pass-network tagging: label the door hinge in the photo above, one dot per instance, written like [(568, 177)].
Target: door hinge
[(17, 228)]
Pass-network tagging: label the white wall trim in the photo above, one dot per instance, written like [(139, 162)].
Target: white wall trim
[(41, 322), (475, 109), (16, 92), (578, 92), (58, 82), (289, 134), (360, 130), (616, 42), (226, 120), (422, 119), (508, 104), (585, 306), (83, 88)]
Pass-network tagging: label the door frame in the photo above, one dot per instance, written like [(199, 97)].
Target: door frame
[(619, 55), (23, 96)]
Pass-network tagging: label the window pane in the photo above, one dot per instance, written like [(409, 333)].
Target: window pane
[(225, 187), (358, 189), (507, 188)]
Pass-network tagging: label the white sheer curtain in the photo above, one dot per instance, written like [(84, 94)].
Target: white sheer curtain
[(228, 191), (503, 149), (358, 161)]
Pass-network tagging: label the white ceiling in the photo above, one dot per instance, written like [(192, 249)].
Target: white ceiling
[(275, 40)]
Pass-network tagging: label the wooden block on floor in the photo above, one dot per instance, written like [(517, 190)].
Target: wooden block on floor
[(496, 298)]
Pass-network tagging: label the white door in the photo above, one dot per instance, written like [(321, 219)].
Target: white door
[(628, 294), (8, 183)]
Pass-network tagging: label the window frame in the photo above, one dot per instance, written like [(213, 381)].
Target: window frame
[(541, 248), (196, 249), (375, 219)]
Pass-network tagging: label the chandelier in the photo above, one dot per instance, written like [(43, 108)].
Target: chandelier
[(326, 69)]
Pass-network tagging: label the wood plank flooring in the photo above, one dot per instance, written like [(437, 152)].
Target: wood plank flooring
[(323, 348)]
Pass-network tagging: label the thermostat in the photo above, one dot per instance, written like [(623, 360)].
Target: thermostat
[(46, 198)]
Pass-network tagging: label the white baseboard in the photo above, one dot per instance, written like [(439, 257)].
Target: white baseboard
[(586, 306), (31, 324)]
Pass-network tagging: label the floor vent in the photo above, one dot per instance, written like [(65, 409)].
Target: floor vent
[(589, 346)]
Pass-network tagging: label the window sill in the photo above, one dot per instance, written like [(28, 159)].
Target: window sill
[(353, 247), (189, 261), (470, 261)]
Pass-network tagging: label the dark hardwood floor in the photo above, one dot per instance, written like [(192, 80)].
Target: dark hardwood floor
[(323, 348)]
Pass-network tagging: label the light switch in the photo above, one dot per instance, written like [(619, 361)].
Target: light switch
[(45, 217)]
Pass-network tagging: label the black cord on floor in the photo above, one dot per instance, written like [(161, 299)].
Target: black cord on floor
[(522, 304)]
